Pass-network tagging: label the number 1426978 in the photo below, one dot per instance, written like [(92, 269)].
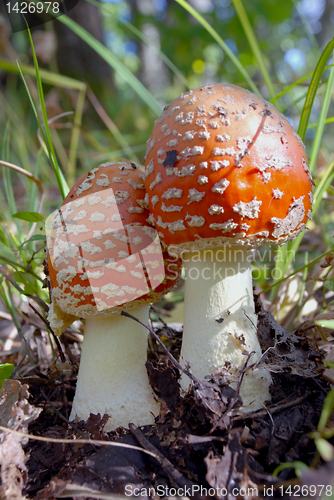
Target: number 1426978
[(32, 7), (316, 491)]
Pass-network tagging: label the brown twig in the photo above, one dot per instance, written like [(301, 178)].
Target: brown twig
[(68, 351), (24, 172), (110, 124), (240, 379), (186, 371), (174, 475), (19, 331), (55, 338), (168, 354), (269, 409)]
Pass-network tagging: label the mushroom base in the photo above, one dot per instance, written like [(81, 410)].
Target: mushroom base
[(220, 320), (112, 375)]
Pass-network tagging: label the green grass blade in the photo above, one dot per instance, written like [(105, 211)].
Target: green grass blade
[(6, 253), (6, 172), (34, 191), (46, 76), (52, 155), (59, 175), (95, 143), (289, 251), (279, 270), (294, 84), (114, 62), (294, 103), (321, 123), (312, 90), (20, 130), (322, 187), (8, 185), (309, 264), (74, 143), (254, 45), (326, 180), (10, 305), (221, 42), (112, 127), (6, 371), (15, 265), (298, 466), (327, 410), (328, 120), (31, 101)]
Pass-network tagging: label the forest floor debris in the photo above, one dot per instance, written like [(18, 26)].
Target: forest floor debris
[(200, 446)]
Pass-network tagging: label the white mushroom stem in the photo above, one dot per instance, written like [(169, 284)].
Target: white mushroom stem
[(218, 286), (112, 375)]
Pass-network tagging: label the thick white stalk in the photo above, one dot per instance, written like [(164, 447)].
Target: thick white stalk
[(218, 286), (112, 375)]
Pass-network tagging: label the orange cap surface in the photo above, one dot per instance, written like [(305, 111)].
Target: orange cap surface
[(223, 165), (103, 255)]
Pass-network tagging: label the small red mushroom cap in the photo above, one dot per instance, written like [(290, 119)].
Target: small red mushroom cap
[(103, 255), (223, 165)]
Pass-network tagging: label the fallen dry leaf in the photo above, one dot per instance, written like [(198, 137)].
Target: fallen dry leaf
[(284, 352), (16, 414)]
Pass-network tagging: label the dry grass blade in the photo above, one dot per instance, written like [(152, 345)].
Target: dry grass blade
[(111, 126), (93, 442), (75, 490), (35, 180), (24, 172)]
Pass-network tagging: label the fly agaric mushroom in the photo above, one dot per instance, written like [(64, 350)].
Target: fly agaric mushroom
[(225, 172), (104, 258)]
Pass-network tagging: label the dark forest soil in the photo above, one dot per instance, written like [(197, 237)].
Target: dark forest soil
[(201, 445)]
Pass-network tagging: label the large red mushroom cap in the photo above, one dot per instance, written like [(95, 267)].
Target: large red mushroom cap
[(223, 165), (104, 257)]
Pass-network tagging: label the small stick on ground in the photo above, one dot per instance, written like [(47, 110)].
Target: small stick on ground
[(169, 355), (269, 409), (60, 415), (174, 475), (54, 336)]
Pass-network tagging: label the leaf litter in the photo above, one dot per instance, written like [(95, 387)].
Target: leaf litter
[(201, 444)]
